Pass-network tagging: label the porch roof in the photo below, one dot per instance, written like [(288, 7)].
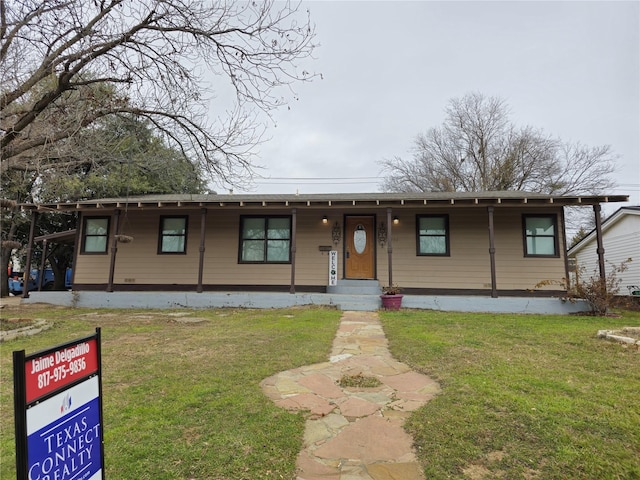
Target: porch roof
[(342, 200), (59, 237)]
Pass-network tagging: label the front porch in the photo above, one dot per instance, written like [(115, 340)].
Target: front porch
[(363, 302)]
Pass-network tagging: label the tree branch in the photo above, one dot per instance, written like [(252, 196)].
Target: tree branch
[(146, 51)]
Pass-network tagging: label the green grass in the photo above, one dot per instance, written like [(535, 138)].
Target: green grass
[(523, 396), (359, 381), (182, 400), (8, 324)]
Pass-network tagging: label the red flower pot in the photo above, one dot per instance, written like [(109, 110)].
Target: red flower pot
[(391, 302)]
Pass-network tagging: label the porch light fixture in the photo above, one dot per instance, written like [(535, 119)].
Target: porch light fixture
[(382, 234), (336, 233), (396, 220), (325, 220)]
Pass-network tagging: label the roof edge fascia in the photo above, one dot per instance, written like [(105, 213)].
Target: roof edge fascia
[(400, 200)]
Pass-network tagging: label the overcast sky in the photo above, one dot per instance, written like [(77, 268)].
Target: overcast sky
[(390, 68)]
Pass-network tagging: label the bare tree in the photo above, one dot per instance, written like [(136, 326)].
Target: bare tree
[(477, 148), (146, 58)]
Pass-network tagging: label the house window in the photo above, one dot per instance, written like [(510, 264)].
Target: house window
[(173, 235), (540, 235), (95, 233), (432, 235), (265, 240)]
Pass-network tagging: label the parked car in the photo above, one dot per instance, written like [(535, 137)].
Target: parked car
[(16, 281), (68, 275)]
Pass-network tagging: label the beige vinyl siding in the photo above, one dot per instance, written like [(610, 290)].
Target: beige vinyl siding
[(514, 271), (221, 265), (138, 262), (467, 267), (221, 252), (312, 265), (92, 269), (468, 264)]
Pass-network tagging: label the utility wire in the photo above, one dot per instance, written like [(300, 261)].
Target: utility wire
[(317, 180), (313, 183), (321, 178)]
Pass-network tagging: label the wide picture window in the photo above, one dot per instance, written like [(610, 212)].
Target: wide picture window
[(95, 235), (173, 235), (540, 235), (433, 235), (265, 240)]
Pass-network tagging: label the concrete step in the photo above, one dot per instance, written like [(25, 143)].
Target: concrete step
[(361, 307), (365, 303), (355, 287)]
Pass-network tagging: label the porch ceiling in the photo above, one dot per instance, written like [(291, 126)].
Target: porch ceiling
[(342, 200)]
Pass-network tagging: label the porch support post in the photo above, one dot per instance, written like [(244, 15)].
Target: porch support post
[(76, 249), (600, 250), (294, 223), (45, 245), (114, 248), (564, 248), (390, 245), (203, 227), (27, 267), (492, 254)]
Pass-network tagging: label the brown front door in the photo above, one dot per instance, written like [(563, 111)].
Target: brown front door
[(359, 247)]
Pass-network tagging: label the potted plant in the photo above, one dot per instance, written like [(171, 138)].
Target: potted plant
[(391, 297)]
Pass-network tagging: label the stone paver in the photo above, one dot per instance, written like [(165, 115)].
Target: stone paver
[(355, 433)]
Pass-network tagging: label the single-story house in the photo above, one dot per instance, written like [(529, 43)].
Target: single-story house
[(443, 249), (620, 241)]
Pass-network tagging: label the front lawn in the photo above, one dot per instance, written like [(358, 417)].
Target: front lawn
[(181, 394), (523, 396)]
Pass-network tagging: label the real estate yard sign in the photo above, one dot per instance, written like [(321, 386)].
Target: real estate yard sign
[(58, 412)]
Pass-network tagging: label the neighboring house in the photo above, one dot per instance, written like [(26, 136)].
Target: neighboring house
[(488, 244), (621, 241)]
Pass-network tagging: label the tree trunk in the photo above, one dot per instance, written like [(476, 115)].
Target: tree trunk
[(4, 286), (5, 257), (59, 267)]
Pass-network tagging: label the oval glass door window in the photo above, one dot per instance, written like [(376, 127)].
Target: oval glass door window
[(360, 239)]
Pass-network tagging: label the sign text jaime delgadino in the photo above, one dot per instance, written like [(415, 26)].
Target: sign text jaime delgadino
[(58, 401), (54, 370)]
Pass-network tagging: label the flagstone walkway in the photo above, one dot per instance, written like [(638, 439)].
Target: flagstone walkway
[(355, 433)]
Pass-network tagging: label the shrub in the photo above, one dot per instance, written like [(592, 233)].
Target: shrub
[(391, 290), (599, 292)]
